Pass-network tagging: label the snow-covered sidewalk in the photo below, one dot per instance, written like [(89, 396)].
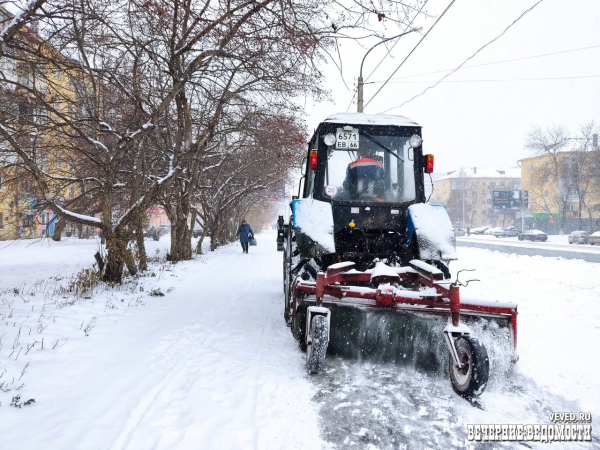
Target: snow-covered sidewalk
[(210, 365)]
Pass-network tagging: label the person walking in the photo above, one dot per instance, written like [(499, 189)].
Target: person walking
[(245, 233)]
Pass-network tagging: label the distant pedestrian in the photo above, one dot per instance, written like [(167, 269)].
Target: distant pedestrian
[(245, 233)]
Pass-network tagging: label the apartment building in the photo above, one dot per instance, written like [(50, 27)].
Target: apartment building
[(467, 194), (564, 191), (29, 83)]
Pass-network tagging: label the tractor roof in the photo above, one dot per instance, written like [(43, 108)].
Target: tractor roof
[(370, 119)]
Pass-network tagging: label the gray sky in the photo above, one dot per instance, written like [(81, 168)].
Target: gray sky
[(479, 116)]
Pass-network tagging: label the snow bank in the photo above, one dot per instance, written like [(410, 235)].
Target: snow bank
[(434, 231), (315, 219)]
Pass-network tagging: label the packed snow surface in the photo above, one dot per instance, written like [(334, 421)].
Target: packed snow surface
[(212, 365), (209, 365)]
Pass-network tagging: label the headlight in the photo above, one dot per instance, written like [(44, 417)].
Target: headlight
[(329, 139), (415, 141)]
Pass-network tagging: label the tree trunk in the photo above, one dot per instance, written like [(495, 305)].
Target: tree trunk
[(141, 247), (58, 229), (116, 246), (199, 243)]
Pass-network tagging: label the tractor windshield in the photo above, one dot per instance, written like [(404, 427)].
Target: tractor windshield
[(376, 169)]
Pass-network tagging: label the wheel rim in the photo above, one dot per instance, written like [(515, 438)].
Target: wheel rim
[(463, 375)]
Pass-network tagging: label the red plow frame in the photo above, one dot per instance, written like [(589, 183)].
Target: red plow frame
[(441, 297)]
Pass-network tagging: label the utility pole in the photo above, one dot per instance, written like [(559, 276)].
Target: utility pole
[(360, 77)]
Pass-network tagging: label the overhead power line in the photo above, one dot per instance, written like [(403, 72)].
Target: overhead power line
[(412, 51), (396, 42), (496, 62), (469, 58), (419, 11), (499, 80)]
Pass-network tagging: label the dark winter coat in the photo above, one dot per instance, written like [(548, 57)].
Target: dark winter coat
[(245, 232)]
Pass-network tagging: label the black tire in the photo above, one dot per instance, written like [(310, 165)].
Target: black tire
[(443, 267), (472, 380), (521, 238), (287, 278), (315, 352), (299, 331)]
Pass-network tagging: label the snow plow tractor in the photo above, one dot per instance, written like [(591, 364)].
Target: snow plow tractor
[(366, 259)]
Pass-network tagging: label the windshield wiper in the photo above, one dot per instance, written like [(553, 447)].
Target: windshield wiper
[(375, 141)]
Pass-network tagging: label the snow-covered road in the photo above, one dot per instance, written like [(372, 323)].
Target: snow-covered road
[(211, 365)]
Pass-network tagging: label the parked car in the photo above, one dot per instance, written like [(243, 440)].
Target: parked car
[(156, 232), (594, 238), (493, 230), (459, 232), (533, 235), (197, 231), (578, 237), (506, 232), (478, 230)]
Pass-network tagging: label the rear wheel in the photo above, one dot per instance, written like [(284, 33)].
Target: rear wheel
[(287, 278), (315, 351), (472, 378)]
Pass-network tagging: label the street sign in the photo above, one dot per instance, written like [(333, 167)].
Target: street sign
[(510, 200)]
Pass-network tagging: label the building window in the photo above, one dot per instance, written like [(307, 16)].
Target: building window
[(546, 164), (27, 221), (531, 181), (545, 193), (570, 208), (483, 202), (483, 183), (530, 166), (583, 208), (2, 220), (1, 182), (597, 208), (483, 192)]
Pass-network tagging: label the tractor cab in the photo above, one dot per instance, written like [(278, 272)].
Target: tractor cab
[(362, 158), (369, 168)]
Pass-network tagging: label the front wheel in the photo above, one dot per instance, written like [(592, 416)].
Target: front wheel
[(316, 349), (470, 380)]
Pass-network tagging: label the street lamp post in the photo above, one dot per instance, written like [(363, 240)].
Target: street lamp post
[(360, 78)]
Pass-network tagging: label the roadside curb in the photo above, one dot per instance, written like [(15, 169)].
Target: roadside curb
[(530, 251)]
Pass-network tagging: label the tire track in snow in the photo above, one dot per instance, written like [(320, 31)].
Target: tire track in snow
[(174, 365), (231, 378)]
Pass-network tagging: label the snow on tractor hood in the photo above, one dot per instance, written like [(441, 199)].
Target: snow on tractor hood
[(315, 219), (370, 119), (435, 234)]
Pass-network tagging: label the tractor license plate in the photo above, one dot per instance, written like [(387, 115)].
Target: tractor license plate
[(347, 140)]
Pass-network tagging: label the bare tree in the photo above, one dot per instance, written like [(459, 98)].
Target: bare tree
[(142, 98)]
